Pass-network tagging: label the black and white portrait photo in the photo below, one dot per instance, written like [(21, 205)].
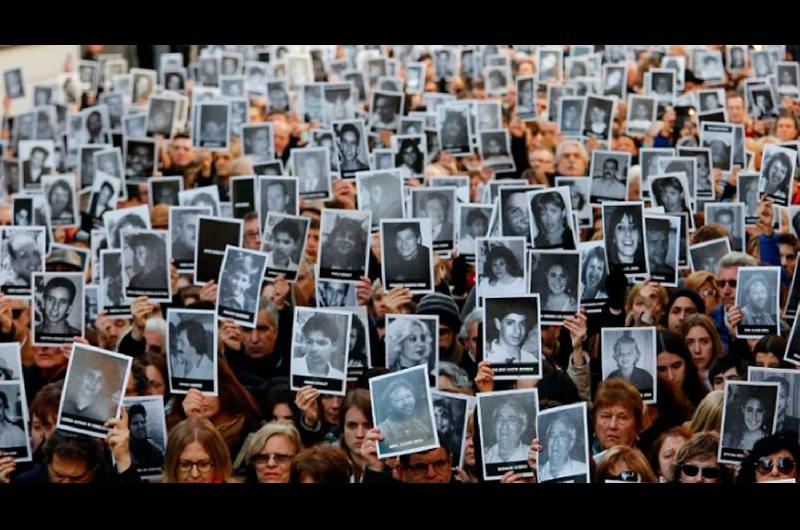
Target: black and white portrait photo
[(661, 85), (94, 387), (512, 339), (409, 154), (437, 204), (551, 221), (112, 295), (14, 83), (338, 104), (175, 79), (671, 191), (555, 277), (609, 172), (565, 444), (488, 115), (86, 165), (406, 254), (134, 125), (183, 230), (207, 196), (663, 242), (22, 209), (108, 163), (143, 83), (402, 409), (758, 296), (15, 438), (359, 356), (710, 99), (91, 306), (641, 114), (648, 161), (615, 80), (579, 192), (243, 195), (507, 421), (705, 256), (719, 137), (312, 168), (115, 103), (550, 62), (500, 266), (703, 180), (239, 283), (212, 125), (731, 217), (787, 409), (788, 74), (708, 65), (748, 415), (192, 351), (630, 354), (330, 293), (126, 218), (277, 95), (96, 125), (598, 117), (454, 127), (451, 412), (747, 192), (351, 147), (231, 86), (257, 141), (736, 58), (415, 78), (256, 73), (148, 434), (161, 112), (494, 147), (473, 222), (623, 230), (277, 194), (571, 114), (141, 159), (496, 80), (214, 234), (778, 166), (311, 102), (324, 138), (145, 264), (320, 346), (283, 243), (164, 190), (59, 191), (594, 272), (344, 244), (761, 102), (380, 192), (57, 307), (412, 340), (526, 98), (36, 159), (386, 110)]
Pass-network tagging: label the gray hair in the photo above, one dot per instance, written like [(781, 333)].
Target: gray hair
[(255, 441), (476, 315), (157, 324), (572, 143), (456, 373), (736, 259), (266, 305)]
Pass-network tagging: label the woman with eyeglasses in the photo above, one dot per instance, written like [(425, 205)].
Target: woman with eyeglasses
[(705, 284), (697, 461), (772, 458), (267, 456), (197, 454)]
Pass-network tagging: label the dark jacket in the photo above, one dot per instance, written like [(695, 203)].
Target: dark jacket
[(40, 475)]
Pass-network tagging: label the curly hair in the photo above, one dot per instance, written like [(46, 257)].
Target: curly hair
[(499, 251)]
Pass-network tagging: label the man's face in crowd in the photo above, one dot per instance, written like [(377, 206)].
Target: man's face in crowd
[(139, 159), (571, 163), (736, 112), (384, 110), (438, 469), (277, 200), (509, 427), (560, 441), (69, 471), (478, 227), (311, 168), (260, 341), (37, 160), (758, 295), (261, 142), (283, 246), (406, 242), (512, 329), (26, 257), (517, 214), (657, 246), (57, 304), (726, 220), (334, 293), (435, 211), (94, 124), (610, 169), (91, 384), (350, 145), (788, 258), (187, 229)]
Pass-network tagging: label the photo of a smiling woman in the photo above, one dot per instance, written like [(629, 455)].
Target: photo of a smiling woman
[(624, 238), (410, 342), (554, 276)]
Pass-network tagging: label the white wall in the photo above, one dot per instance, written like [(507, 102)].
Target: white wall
[(40, 63)]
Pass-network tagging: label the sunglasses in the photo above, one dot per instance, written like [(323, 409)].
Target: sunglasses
[(626, 476), (784, 463), (708, 472), (722, 283)]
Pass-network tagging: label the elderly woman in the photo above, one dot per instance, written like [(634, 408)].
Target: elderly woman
[(697, 461), (617, 415), (268, 453), (626, 464), (196, 453), (702, 339), (502, 273), (772, 458), (409, 343), (552, 224)]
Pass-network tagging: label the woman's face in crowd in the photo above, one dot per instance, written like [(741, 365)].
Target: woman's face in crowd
[(668, 453), (356, 425), (753, 412), (701, 345), (273, 472), (671, 369), (499, 268), (595, 270), (777, 172), (615, 425), (552, 218), (194, 453), (671, 198), (415, 348), (556, 279), (701, 462), (774, 473), (155, 381), (626, 236), (40, 429)]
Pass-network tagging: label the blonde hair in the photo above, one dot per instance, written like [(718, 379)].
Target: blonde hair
[(708, 416), (202, 431), (633, 459), (255, 442), (635, 291)]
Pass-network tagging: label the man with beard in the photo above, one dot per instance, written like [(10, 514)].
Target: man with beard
[(515, 215), (510, 423), (401, 425), (560, 440), (607, 184), (320, 340)]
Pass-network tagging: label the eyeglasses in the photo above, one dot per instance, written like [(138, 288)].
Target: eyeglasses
[(785, 464), (422, 467), (722, 283), (262, 459), (708, 472), (626, 476), (203, 466)]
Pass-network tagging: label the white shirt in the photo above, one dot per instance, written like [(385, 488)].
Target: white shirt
[(519, 454), (300, 367), (571, 468)]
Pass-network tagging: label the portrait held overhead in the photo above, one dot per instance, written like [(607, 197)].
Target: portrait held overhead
[(420, 263)]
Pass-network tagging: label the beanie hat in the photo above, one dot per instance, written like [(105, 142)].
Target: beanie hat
[(442, 305)]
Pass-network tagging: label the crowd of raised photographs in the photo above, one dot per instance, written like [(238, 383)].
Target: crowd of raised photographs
[(666, 409)]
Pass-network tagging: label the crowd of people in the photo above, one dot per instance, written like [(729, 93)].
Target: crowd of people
[(258, 427)]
